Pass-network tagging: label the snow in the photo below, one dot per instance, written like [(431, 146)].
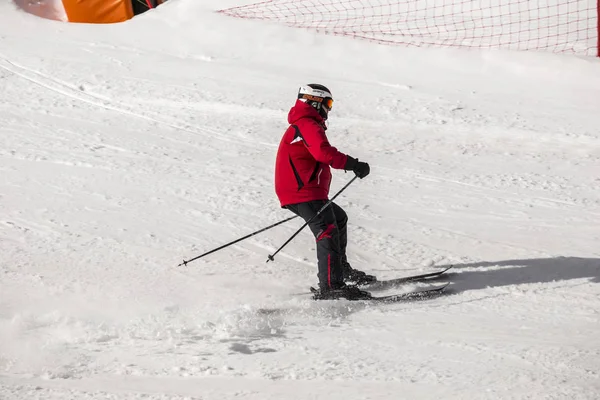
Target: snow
[(125, 149)]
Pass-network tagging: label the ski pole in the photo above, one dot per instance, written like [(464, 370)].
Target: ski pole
[(236, 241), (271, 257)]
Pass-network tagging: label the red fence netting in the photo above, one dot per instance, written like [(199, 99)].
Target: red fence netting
[(562, 26)]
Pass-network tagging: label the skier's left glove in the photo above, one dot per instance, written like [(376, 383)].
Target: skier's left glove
[(360, 169)]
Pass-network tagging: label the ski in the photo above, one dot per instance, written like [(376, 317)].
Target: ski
[(379, 285), (410, 296), (419, 294)]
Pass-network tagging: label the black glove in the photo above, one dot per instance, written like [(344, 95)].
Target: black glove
[(361, 169)]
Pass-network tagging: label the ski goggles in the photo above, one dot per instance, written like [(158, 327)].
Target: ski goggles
[(326, 102)]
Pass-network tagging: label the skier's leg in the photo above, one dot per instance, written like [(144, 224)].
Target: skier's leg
[(326, 233), (341, 220), (350, 274)]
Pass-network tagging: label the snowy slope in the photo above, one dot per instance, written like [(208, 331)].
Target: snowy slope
[(127, 148)]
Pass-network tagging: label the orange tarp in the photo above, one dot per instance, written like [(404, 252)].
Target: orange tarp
[(98, 11)]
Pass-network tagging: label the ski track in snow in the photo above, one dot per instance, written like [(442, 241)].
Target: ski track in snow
[(118, 159)]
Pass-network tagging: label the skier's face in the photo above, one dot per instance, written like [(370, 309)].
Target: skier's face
[(326, 105)]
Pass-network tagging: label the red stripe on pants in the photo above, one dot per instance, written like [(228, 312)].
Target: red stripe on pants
[(329, 270)]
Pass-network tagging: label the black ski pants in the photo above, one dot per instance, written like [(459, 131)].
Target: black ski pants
[(330, 231)]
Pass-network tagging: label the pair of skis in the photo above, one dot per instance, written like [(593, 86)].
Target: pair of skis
[(413, 295)]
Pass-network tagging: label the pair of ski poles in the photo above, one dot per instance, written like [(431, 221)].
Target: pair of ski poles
[(271, 257)]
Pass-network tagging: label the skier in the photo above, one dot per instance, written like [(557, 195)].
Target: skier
[(302, 180)]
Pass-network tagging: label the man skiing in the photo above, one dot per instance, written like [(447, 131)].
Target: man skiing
[(302, 180)]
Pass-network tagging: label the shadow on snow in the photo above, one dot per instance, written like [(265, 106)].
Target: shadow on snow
[(515, 272)]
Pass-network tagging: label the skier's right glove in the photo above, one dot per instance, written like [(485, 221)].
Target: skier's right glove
[(361, 169)]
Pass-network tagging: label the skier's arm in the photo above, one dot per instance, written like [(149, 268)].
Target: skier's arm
[(319, 147)]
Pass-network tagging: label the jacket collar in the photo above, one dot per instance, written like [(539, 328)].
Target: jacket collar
[(303, 110)]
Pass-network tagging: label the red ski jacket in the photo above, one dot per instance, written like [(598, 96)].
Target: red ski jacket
[(302, 170)]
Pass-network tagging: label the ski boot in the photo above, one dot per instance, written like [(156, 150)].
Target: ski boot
[(342, 292), (356, 276)]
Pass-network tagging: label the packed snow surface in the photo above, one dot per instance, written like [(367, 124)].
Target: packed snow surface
[(125, 149)]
